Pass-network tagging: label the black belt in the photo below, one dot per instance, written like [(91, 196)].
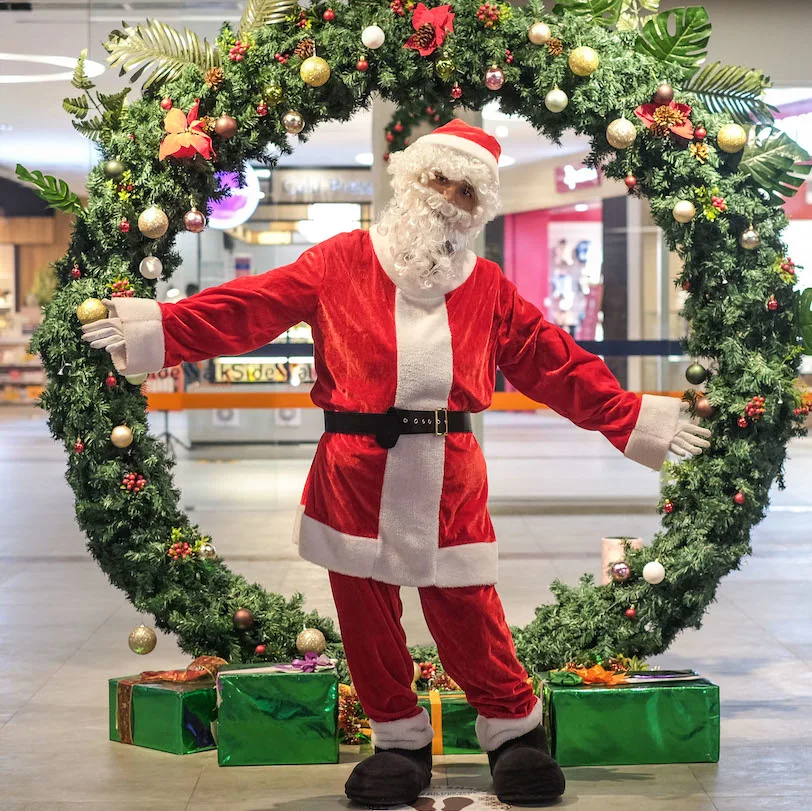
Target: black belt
[(389, 426)]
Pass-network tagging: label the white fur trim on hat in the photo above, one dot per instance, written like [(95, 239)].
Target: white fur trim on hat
[(463, 145)]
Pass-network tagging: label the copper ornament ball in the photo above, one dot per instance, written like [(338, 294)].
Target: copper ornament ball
[(243, 619), (703, 408), (142, 640), (153, 222), (226, 126), (749, 239), (494, 78), (90, 310), (194, 221), (620, 571), (664, 94), (539, 33), (311, 640), (121, 436)]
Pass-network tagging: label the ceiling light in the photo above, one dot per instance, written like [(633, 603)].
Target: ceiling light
[(501, 131), (91, 68), (581, 207), (365, 158), (506, 160)]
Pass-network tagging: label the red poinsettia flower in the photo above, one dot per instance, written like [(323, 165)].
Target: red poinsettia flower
[(664, 118), (187, 137), (431, 26)]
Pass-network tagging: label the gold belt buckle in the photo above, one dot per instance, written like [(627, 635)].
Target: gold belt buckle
[(437, 413)]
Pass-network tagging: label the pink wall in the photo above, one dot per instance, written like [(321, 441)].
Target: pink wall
[(527, 254)]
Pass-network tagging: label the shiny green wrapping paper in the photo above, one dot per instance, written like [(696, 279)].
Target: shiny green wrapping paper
[(267, 719), (632, 724), (458, 724), (169, 717)]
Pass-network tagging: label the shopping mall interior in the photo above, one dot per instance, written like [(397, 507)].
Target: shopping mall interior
[(242, 432)]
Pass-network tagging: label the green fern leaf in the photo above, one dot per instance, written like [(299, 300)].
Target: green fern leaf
[(93, 128), (259, 13), (77, 107), (55, 192), (733, 90), (159, 46), (603, 12), (114, 102), (80, 79), (803, 317), (773, 161), (686, 46)]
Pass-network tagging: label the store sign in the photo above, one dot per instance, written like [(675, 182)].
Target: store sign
[(264, 372), (574, 178), (321, 186)]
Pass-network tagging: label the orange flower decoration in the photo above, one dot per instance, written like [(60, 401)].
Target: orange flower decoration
[(599, 675), (187, 136)]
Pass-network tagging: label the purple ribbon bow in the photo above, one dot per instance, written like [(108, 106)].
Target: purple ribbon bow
[(311, 661)]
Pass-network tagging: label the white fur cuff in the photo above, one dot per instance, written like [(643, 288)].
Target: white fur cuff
[(655, 428), (493, 732), (407, 733), (142, 324)]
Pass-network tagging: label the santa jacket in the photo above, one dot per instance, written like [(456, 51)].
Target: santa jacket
[(415, 514)]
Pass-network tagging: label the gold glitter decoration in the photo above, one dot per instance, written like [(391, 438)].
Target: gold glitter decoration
[(700, 151)]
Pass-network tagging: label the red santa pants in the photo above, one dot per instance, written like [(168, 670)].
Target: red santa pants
[(474, 644)]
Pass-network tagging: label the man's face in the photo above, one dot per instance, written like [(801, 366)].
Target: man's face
[(458, 192)]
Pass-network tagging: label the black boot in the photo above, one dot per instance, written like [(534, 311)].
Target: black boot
[(523, 771), (390, 777)]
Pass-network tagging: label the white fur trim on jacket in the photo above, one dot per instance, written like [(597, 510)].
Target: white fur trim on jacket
[(493, 732), (407, 733), (654, 430), (465, 146), (143, 329)]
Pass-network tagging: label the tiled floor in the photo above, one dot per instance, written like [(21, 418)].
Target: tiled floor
[(555, 492)]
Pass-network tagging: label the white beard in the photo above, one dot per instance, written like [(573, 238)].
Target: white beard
[(428, 236)]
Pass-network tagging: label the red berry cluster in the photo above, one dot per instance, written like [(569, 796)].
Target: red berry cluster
[(399, 7), (489, 13), (508, 56), (755, 408), (428, 670), (788, 266), (120, 187), (802, 411), (282, 58), (179, 550), (134, 482), (719, 202), (75, 273), (238, 51), (302, 21), (122, 289)]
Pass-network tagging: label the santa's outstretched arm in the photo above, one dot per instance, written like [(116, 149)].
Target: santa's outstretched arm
[(544, 362), (143, 335)]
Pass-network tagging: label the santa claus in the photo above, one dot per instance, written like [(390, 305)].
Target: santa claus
[(409, 327)]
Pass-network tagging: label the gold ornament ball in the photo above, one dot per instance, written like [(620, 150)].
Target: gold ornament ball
[(121, 436), (621, 133), (153, 222), (273, 94), (314, 71), (584, 61), (684, 211), (90, 310), (311, 640), (207, 551), (750, 240), (539, 33), (445, 69), (293, 122), (418, 672), (556, 100), (731, 138), (142, 640)]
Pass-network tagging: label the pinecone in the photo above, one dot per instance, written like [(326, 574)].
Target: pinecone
[(305, 49), (208, 123), (214, 78), (424, 35), (555, 46), (700, 151)]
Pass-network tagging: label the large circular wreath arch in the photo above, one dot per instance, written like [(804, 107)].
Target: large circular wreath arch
[(739, 303)]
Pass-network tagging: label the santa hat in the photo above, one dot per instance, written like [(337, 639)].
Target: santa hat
[(468, 140)]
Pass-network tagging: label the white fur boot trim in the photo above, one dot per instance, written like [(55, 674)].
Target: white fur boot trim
[(493, 732), (406, 733)]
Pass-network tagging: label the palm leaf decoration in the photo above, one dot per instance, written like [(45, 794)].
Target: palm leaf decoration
[(772, 161), (803, 317), (686, 46), (733, 90), (264, 12), (55, 192), (603, 12), (158, 45)]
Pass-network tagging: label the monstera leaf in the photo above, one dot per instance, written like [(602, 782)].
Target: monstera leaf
[(158, 45), (264, 12), (803, 317), (633, 12), (772, 161), (55, 192), (603, 12), (686, 46), (733, 90)]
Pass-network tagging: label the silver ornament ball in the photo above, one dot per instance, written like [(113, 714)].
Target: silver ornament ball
[(373, 37), (539, 33), (151, 267), (750, 240), (207, 551), (556, 100), (293, 122)]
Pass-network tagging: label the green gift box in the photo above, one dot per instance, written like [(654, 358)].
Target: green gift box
[(170, 717), (454, 722), (268, 716), (629, 724)]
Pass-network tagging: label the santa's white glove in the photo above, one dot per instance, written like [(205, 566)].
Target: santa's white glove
[(689, 440), (106, 333)]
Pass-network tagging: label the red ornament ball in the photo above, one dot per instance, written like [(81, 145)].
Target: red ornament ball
[(772, 304), (262, 109), (630, 181), (259, 650), (362, 66), (111, 380), (389, 137), (386, 156), (75, 273), (742, 423), (124, 227), (740, 498), (166, 103), (456, 92), (398, 127), (631, 613), (78, 446), (686, 285), (668, 507), (700, 133), (329, 15)]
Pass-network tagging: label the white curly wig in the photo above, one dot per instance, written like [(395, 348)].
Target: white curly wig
[(428, 235)]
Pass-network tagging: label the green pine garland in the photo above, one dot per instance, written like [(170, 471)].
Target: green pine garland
[(754, 350)]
